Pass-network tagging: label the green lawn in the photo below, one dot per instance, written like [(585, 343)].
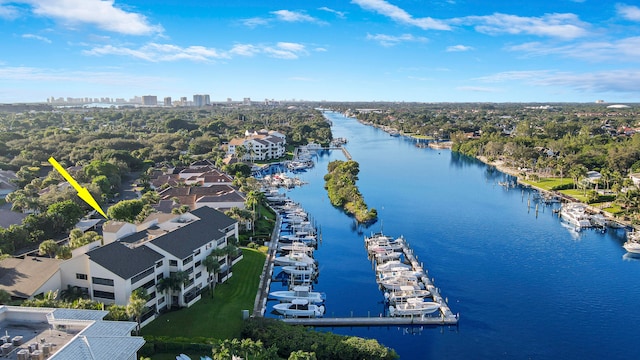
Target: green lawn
[(548, 183), (221, 316)]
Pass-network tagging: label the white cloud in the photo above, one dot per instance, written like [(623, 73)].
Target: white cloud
[(339, 14), (155, 52), (281, 15), (160, 52), (478, 89), (619, 81), (8, 12), (254, 22), (101, 13), (626, 50), (392, 40), (285, 50), (459, 48), (294, 47), (244, 50), (562, 26), (602, 81), (628, 12), (514, 75), (399, 15), (38, 75), (36, 37), (294, 16)]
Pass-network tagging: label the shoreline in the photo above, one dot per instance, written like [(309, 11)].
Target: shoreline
[(499, 165)]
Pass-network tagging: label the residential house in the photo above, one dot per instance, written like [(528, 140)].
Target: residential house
[(222, 197), (6, 184)]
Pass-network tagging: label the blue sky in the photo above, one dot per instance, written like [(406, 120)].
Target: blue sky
[(359, 50)]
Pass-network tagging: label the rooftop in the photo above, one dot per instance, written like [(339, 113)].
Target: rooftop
[(66, 334), (23, 277)]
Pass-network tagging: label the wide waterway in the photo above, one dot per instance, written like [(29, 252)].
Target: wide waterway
[(526, 287)]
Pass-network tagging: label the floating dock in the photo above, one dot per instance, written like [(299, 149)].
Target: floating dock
[(373, 321), (445, 311)]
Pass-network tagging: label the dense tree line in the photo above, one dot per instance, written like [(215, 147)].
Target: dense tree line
[(324, 345), (133, 136), (340, 182), (107, 144)]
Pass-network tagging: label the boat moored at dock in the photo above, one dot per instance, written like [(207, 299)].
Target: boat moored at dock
[(299, 308), (299, 292)]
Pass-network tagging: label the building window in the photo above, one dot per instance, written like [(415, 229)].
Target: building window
[(189, 270), (187, 260), (81, 276), (104, 294), (198, 275), (197, 252), (159, 264), (160, 276), (142, 275), (197, 263), (102, 281), (173, 262)]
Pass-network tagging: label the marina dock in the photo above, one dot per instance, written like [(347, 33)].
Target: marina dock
[(372, 321)]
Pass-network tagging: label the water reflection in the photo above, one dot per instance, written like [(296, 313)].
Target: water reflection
[(460, 161), (631, 257)]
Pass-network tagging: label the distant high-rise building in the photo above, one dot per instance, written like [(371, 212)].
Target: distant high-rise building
[(246, 101), (150, 100), (229, 100), (167, 101), (201, 100)]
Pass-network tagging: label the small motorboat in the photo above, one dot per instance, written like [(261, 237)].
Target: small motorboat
[(299, 308), (299, 292), (414, 307)]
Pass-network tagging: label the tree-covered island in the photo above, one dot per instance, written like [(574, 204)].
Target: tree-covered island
[(340, 183)]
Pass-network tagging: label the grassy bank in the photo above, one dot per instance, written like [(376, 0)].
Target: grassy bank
[(219, 316)]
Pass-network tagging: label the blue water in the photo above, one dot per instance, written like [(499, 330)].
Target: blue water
[(525, 286)]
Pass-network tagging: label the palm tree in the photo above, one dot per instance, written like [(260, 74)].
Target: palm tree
[(72, 293), (254, 201), (241, 151), (135, 308), (48, 247), (173, 283), (577, 172), (212, 265)]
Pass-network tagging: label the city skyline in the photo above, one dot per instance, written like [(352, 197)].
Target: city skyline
[(360, 50)]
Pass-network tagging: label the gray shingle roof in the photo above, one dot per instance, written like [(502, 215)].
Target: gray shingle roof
[(183, 241), (123, 261), (23, 277)]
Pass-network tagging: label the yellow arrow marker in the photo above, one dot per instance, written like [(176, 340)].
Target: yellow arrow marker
[(83, 193)]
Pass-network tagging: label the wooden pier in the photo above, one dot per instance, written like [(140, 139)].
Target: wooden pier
[(346, 153)]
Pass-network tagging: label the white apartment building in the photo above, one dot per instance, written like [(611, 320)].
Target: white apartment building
[(135, 257), (259, 146)]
